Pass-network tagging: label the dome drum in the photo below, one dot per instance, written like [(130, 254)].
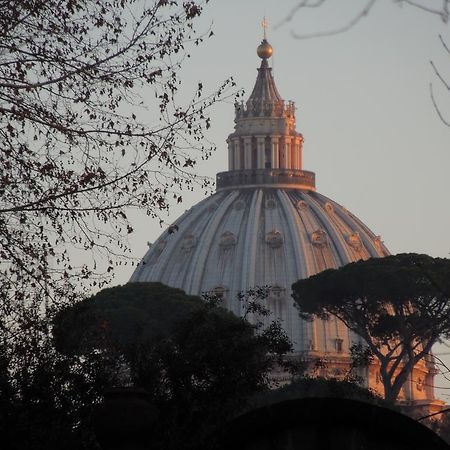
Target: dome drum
[(283, 178), (265, 108)]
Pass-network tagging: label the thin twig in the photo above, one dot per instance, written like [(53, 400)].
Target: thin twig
[(343, 29), (294, 11), (436, 107), (442, 13)]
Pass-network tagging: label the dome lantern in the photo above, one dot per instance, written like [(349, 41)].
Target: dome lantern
[(265, 148)]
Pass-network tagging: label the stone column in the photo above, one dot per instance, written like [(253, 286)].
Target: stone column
[(275, 154), (296, 154), (230, 155), (237, 154), (248, 152), (287, 152), (261, 141), (300, 152)]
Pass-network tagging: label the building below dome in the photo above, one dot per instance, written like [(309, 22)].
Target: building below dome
[(267, 225)]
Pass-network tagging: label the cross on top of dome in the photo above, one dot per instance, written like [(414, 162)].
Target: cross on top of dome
[(264, 50)]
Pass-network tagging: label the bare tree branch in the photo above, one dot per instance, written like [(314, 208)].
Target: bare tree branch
[(443, 12), (369, 5), (444, 83), (293, 12)]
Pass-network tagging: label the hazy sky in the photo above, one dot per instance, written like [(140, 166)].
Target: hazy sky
[(371, 133)]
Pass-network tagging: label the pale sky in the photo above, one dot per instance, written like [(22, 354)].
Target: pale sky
[(371, 133)]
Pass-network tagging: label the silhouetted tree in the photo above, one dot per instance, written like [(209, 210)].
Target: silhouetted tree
[(199, 362), (92, 124), (399, 305)]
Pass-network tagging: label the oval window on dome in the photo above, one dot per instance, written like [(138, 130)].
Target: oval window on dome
[(329, 208)]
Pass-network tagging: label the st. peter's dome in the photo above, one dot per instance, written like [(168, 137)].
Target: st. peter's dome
[(265, 225)]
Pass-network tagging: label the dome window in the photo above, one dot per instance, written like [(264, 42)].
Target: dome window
[(239, 205), (227, 241), (319, 238), (159, 247), (329, 208), (302, 205), (189, 242), (419, 384), (276, 292), (274, 239), (378, 243), (219, 291), (212, 207), (354, 241)]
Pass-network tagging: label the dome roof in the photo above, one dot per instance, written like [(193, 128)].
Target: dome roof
[(240, 238), (265, 225)]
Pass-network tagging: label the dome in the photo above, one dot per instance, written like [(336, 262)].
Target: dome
[(254, 236), (265, 226)]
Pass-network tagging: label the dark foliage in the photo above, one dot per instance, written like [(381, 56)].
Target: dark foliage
[(306, 387), (198, 362), (400, 306), (93, 124)]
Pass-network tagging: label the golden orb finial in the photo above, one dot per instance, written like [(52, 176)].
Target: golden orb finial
[(264, 50)]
